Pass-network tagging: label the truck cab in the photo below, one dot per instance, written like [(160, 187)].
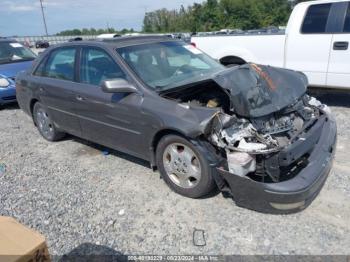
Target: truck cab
[(316, 42)]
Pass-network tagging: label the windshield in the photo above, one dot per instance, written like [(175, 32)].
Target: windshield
[(14, 52), (166, 65)]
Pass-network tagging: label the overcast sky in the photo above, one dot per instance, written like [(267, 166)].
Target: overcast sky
[(23, 17)]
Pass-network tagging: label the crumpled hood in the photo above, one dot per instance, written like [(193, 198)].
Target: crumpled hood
[(258, 90), (11, 69)]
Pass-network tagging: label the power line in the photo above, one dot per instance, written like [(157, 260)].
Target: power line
[(44, 20)]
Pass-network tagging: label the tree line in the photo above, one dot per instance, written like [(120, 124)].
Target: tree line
[(93, 31), (213, 15)]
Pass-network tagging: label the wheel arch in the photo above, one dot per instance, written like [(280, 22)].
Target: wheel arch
[(238, 53), (155, 141), (202, 144), (230, 59), (33, 101)]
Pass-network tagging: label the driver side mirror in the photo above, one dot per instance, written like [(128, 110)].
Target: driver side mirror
[(118, 86)]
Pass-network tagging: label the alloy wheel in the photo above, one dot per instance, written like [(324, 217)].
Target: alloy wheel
[(182, 165), (44, 123)]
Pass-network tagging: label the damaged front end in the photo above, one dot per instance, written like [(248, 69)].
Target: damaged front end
[(275, 162), (276, 172), (272, 148), (276, 144)]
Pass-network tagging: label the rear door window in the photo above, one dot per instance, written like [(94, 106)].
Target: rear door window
[(97, 66), (61, 64), (347, 21), (316, 18)]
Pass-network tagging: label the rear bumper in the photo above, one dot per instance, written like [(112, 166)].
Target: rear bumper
[(292, 195), (7, 95)]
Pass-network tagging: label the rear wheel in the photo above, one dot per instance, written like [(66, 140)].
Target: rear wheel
[(45, 124), (183, 167)]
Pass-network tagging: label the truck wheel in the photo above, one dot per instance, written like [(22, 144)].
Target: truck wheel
[(183, 167), (45, 124)]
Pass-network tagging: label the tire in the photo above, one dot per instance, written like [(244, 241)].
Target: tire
[(192, 176), (45, 124)]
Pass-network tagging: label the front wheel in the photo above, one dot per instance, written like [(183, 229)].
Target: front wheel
[(183, 167), (45, 124)]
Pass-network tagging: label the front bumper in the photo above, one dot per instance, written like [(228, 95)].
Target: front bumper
[(292, 195), (7, 95)]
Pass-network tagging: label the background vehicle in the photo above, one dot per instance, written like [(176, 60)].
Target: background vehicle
[(42, 44), (108, 36), (14, 58), (75, 39), (316, 42), (202, 125)]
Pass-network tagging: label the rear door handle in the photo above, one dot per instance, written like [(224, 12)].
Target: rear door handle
[(340, 45), (80, 98)]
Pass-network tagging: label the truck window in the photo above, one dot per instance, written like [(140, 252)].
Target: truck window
[(316, 19), (347, 21)]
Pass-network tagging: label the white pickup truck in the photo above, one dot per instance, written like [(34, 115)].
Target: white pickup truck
[(316, 42)]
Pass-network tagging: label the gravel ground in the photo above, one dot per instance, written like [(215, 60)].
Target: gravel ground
[(77, 197)]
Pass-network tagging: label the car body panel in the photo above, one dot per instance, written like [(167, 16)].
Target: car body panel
[(111, 119), (60, 98), (11, 69)]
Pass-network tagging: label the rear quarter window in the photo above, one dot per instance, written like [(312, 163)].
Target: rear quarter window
[(61, 64), (316, 18)]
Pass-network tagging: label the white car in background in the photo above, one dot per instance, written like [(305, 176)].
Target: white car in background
[(108, 36), (316, 42)]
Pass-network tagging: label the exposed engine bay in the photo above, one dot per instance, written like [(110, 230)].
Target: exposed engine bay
[(268, 148), (206, 94), (253, 147)]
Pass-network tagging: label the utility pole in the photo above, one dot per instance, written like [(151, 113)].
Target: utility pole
[(44, 20)]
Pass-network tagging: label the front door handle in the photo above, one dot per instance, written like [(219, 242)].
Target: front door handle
[(340, 45), (80, 98)]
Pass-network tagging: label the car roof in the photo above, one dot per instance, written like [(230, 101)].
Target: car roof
[(121, 41)]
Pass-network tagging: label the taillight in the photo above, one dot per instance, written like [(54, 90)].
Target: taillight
[(194, 44)]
